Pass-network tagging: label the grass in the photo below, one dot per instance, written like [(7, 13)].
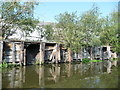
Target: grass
[(3, 65), (6, 65), (86, 60), (96, 61)]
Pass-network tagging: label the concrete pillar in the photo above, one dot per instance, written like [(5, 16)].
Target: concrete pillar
[(1, 34), (13, 53), (42, 52), (24, 62), (58, 53), (22, 53), (69, 55), (1, 51)]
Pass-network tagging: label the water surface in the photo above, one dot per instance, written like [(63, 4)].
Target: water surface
[(92, 75)]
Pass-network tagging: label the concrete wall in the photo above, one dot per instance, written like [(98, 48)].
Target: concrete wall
[(14, 52), (8, 51)]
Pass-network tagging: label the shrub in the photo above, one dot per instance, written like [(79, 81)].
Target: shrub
[(86, 60)]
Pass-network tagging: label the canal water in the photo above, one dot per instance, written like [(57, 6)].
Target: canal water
[(92, 75)]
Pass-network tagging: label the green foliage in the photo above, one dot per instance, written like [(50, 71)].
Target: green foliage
[(37, 62), (4, 64), (49, 32), (96, 61), (87, 30), (68, 31), (109, 33), (86, 60), (16, 15), (76, 32), (91, 26)]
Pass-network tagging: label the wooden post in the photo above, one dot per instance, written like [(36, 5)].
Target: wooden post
[(1, 51), (41, 50), (24, 62), (22, 53), (69, 55), (13, 53)]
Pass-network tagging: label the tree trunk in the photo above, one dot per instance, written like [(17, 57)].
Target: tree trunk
[(69, 55)]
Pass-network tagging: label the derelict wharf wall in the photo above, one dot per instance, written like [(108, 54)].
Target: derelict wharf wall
[(24, 52), (28, 52)]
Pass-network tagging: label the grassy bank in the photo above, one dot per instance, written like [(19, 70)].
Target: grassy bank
[(6, 65), (86, 60)]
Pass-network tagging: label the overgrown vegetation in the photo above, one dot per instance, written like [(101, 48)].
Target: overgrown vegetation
[(86, 60), (17, 15), (86, 30), (4, 64)]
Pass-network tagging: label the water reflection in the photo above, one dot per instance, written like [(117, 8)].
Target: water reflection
[(59, 75), (108, 65), (0, 78)]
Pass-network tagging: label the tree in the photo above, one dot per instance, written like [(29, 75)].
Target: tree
[(91, 26), (109, 34), (49, 32), (68, 32), (17, 15)]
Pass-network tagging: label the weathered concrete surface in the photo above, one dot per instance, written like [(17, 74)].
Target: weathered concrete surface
[(1, 51)]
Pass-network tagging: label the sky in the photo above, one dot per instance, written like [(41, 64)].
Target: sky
[(46, 11)]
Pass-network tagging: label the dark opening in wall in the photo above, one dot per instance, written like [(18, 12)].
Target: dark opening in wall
[(104, 49), (63, 55), (32, 52)]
